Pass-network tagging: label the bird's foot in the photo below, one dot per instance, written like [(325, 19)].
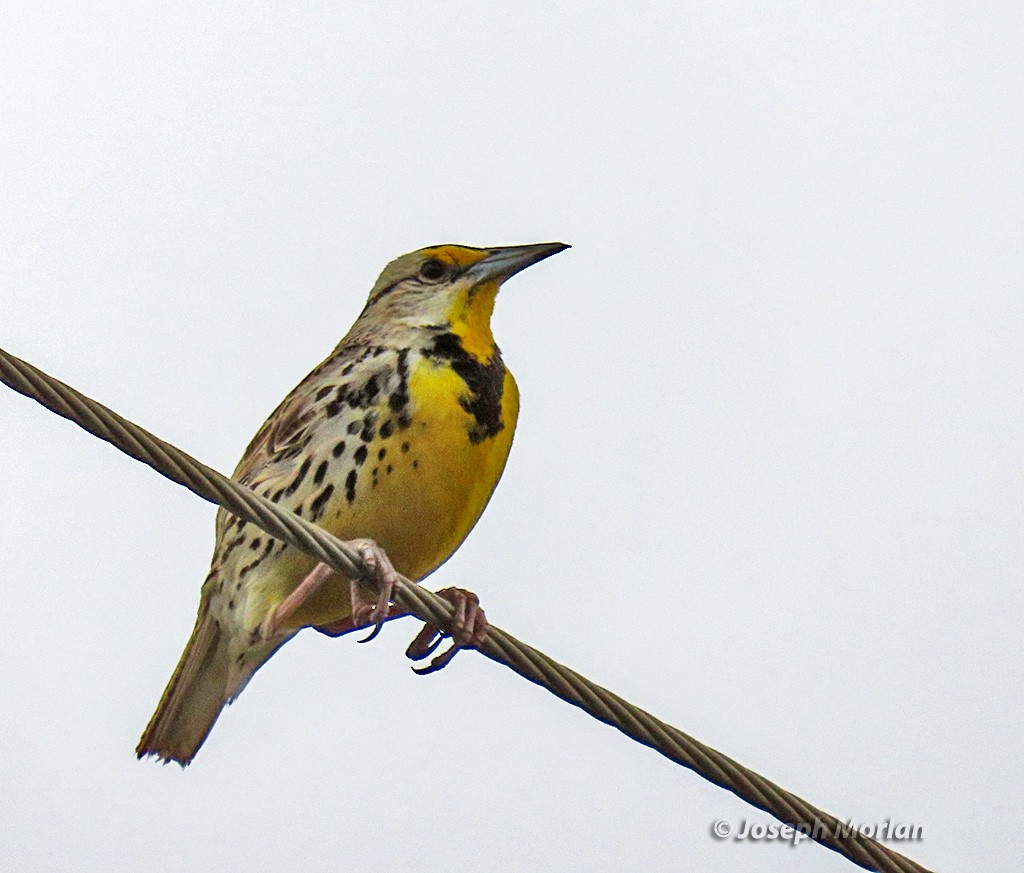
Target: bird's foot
[(378, 570), (468, 630)]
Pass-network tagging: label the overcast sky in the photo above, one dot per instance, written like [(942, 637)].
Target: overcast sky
[(767, 481)]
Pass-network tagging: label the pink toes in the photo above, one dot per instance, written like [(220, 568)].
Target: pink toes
[(379, 570), (468, 630)]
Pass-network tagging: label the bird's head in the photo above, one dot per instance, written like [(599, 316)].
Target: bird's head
[(452, 287)]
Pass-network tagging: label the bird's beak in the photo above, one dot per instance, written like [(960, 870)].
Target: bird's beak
[(500, 264)]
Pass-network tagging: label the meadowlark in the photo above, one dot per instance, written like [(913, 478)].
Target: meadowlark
[(394, 443)]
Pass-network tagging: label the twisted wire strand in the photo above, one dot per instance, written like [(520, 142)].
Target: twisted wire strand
[(499, 646)]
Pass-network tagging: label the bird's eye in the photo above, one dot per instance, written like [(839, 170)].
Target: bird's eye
[(433, 270)]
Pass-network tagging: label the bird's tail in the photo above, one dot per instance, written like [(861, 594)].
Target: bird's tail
[(194, 697)]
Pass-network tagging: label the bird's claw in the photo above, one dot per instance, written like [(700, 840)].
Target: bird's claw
[(378, 570), (468, 630)]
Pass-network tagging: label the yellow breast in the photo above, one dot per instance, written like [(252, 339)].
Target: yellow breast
[(449, 473)]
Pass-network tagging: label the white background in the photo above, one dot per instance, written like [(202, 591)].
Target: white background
[(767, 481)]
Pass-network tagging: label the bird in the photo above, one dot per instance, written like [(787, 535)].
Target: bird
[(394, 444)]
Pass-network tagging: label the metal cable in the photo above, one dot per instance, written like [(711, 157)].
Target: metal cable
[(499, 646)]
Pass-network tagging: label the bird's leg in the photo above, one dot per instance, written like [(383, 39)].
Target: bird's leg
[(277, 617), (468, 630), (376, 566)]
